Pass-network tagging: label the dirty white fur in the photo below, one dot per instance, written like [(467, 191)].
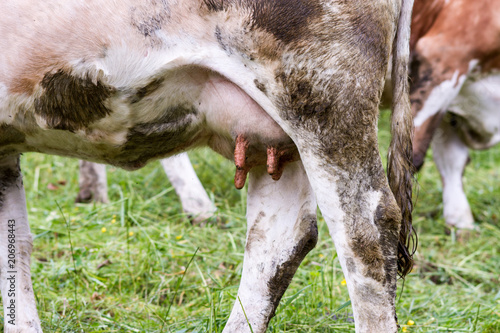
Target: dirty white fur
[(275, 225)]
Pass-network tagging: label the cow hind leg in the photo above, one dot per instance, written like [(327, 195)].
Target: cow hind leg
[(364, 221), (451, 156), (282, 229), (16, 244)]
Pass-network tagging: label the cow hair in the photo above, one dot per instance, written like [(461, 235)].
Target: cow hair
[(400, 169)]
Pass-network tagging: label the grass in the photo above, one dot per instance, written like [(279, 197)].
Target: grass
[(138, 265)]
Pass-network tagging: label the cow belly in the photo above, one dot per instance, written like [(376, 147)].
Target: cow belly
[(185, 107), (475, 112)]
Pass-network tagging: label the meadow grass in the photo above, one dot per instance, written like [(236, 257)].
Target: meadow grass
[(138, 265)]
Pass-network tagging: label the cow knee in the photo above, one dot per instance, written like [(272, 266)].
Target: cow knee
[(374, 244)]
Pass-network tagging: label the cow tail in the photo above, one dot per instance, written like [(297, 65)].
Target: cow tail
[(400, 170)]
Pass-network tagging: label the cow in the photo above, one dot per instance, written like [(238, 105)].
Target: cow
[(455, 90), (195, 201), (288, 89)]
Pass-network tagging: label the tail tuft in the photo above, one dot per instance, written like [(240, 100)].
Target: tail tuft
[(400, 169)]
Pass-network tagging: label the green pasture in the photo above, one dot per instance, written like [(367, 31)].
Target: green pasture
[(138, 265)]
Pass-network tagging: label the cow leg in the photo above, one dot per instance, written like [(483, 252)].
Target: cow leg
[(15, 250), (364, 221), (333, 123), (282, 229), (451, 156), (337, 140), (194, 199), (93, 183)]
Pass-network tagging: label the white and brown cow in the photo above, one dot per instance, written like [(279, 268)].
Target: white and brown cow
[(194, 199), (455, 90), (261, 82)]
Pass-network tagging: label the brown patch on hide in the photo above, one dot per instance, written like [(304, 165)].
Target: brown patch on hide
[(374, 244), (216, 5), (368, 249), (72, 103), (492, 63), (457, 36), (9, 135), (146, 90), (49, 36), (346, 124), (287, 20), (23, 85), (368, 35), (362, 240), (472, 38), (161, 137), (260, 86)]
